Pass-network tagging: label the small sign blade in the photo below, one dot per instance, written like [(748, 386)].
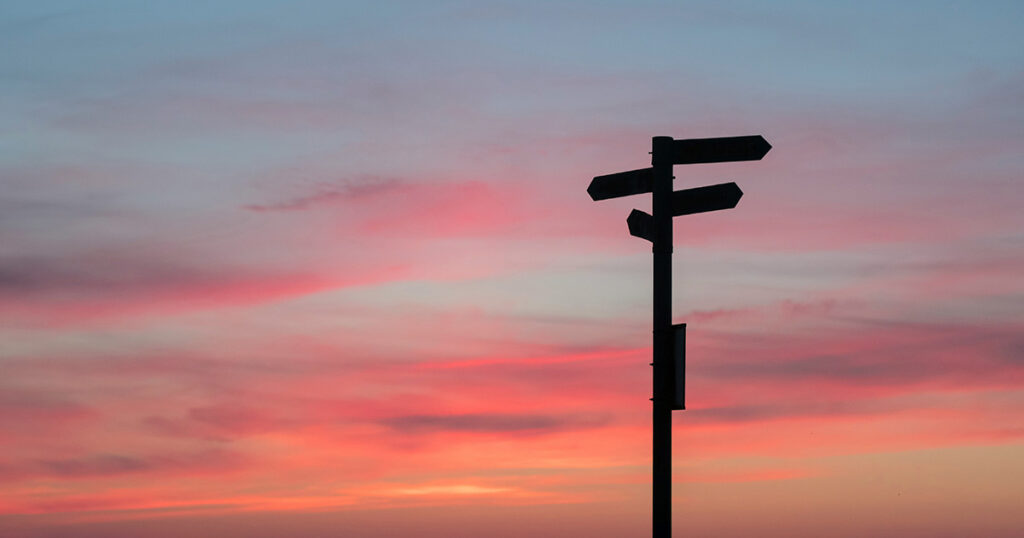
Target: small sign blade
[(641, 225), (621, 184), (719, 150)]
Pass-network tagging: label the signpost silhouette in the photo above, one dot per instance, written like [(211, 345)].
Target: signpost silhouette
[(669, 341)]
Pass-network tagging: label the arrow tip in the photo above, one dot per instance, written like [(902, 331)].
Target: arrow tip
[(763, 146), (731, 195)]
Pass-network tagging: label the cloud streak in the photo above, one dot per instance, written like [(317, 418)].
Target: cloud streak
[(345, 191), (492, 423)]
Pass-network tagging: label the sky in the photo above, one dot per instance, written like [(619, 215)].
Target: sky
[(322, 268)]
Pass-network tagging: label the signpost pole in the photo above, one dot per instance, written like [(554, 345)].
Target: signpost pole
[(661, 160), (669, 342)]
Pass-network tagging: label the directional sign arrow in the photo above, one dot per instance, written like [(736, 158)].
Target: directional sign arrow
[(641, 225), (687, 202), (621, 184), (701, 199), (718, 150)]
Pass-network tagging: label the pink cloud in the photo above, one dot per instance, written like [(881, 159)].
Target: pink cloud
[(421, 210)]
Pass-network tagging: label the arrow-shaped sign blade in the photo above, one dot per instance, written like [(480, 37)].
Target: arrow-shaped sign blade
[(621, 184), (718, 150), (641, 225), (701, 199)]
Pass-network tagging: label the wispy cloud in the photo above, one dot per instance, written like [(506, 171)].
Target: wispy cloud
[(342, 191), (118, 464), (493, 423)]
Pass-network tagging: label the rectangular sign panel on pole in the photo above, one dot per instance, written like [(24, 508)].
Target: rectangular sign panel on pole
[(679, 359)]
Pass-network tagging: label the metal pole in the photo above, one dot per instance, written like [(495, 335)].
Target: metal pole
[(661, 159)]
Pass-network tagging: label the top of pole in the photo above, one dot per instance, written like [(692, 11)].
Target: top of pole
[(661, 150)]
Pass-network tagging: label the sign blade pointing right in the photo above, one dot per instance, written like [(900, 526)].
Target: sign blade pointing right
[(621, 184), (701, 199), (719, 150)]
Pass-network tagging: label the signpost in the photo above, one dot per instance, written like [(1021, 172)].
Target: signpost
[(669, 341)]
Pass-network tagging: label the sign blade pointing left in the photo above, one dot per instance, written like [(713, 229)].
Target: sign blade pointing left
[(621, 184), (641, 225)]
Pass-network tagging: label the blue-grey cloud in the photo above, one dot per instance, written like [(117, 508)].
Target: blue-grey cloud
[(888, 353), (113, 464), (494, 423), (336, 192), (98, 274)]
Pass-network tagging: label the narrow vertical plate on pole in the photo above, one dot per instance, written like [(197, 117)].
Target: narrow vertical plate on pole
[(679, 364)]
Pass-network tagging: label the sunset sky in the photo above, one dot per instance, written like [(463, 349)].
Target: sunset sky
[(328, 268)]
